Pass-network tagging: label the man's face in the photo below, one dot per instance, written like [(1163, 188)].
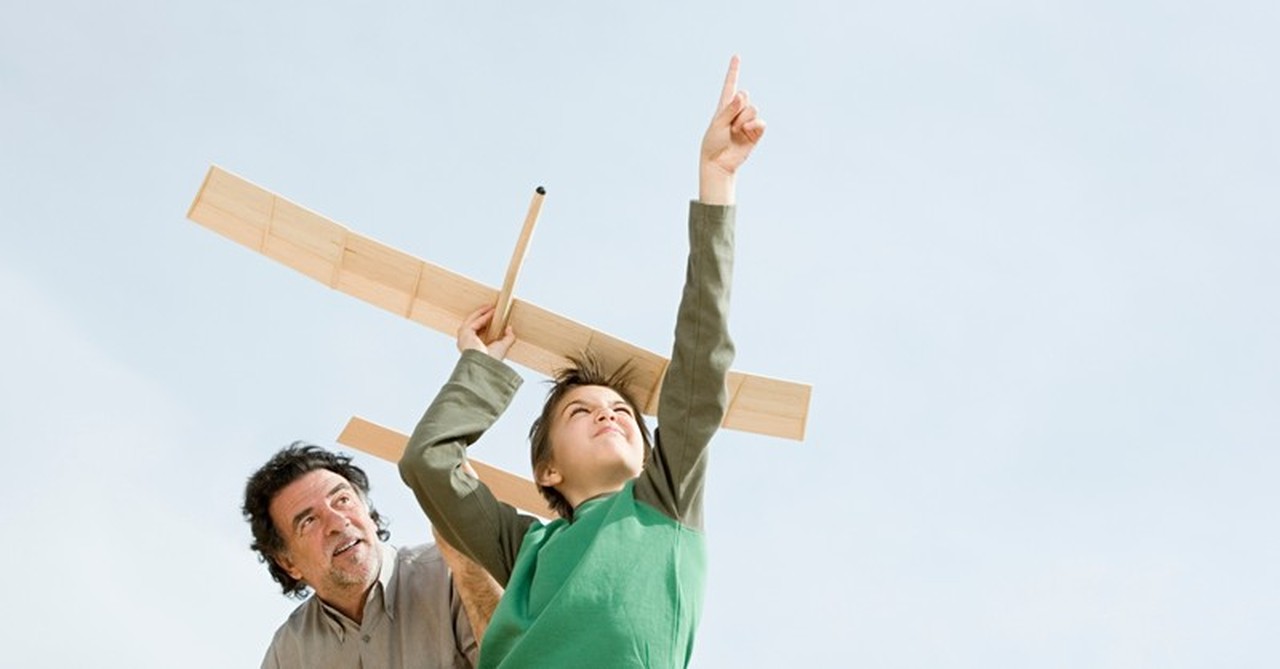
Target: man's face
[(595, 439), (330, 540)]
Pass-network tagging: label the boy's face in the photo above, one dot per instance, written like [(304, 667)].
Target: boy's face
[(596, 445)]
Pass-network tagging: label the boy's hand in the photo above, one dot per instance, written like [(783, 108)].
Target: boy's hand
[(471, 335), (735, 130)]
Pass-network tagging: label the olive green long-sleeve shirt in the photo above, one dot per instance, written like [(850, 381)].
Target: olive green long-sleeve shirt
[(622, 584)]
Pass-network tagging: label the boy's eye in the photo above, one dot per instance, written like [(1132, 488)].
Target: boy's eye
[(577, 410)]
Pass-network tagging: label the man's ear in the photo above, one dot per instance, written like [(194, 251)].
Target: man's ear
[(282, 559), (548, 476)]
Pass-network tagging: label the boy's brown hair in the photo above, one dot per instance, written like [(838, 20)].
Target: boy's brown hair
[(584, 370)]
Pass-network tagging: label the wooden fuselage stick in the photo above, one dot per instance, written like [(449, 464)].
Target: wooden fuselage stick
[(502, 310)]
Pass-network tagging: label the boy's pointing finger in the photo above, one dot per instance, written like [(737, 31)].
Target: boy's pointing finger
[(730, 82)]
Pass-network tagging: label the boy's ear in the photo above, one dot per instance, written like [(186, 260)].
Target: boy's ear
[(549, 476)]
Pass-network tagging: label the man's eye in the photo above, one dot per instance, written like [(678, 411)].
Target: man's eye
[(306, 524)]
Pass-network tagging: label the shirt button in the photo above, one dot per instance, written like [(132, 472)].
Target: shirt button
[(366, 638)]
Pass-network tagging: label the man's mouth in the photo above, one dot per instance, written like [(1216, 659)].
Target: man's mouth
[(345, 547)]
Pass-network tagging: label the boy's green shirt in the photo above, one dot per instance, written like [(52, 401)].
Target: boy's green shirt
[(622, 584)]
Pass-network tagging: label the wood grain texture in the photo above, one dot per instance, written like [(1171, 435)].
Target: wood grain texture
[(440, 299), (388, 444), (502, 310)]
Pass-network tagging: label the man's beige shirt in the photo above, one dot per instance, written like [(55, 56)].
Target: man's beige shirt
[(412, 618)]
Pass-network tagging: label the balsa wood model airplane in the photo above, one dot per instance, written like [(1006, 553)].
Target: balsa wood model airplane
[(440, 299)]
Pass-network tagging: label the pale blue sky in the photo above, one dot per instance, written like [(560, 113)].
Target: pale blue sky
[(1025, 252)]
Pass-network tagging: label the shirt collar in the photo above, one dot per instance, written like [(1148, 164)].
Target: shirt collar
[(384, 580)]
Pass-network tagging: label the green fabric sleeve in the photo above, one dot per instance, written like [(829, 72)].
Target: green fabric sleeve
[(694, 399), (460, 507)]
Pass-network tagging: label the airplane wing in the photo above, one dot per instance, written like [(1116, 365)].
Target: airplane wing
[(388, 444), (440, 299)]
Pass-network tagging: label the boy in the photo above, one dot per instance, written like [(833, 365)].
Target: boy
[(617, 581)]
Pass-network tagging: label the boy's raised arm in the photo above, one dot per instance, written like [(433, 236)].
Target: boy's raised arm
[(461, 508), (694, 399)]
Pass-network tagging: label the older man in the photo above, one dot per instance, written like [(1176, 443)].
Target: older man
[(373, 605)]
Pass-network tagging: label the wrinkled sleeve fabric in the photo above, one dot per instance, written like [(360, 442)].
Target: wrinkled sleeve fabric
[(693, 398), (463, 509)]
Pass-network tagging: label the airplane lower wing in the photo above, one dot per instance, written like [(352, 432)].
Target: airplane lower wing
[(440, 299), (388, 444)]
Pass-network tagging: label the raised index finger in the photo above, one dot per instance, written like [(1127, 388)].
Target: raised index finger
[(730, 82)]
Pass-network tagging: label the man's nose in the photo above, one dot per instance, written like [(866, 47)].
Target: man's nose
[(334, 521)]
